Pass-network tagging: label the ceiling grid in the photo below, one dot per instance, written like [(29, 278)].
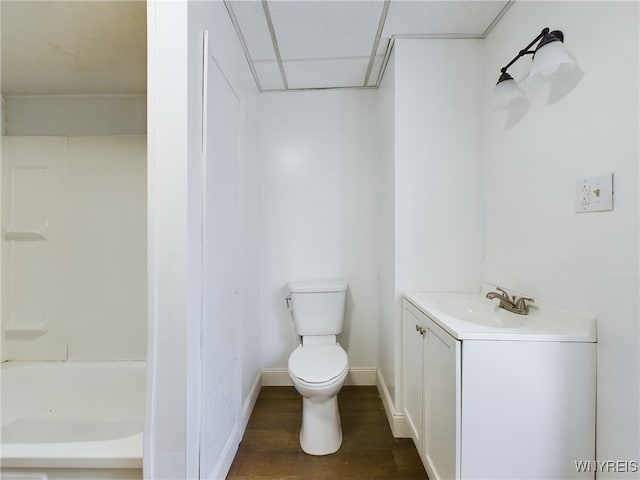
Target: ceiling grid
[(324, 44), (274, 41), (374, 51)]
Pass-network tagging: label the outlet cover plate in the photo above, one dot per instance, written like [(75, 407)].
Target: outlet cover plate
[(594, 194)]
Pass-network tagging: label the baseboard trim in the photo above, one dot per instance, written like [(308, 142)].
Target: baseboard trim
[(276, 377), (250, 402), (225, 461), (359, 376), (397, 421), (231, 447)]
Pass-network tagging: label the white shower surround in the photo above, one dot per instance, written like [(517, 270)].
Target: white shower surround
[(62, 418), (86, 195)]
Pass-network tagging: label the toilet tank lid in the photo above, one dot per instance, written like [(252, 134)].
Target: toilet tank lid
[(312, 286)]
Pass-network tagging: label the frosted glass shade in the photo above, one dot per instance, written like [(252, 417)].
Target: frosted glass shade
[(549, 59), (506, 92)]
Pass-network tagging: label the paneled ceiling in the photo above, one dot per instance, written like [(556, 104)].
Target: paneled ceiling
[(99, 47), (307, 44), (74, 47)]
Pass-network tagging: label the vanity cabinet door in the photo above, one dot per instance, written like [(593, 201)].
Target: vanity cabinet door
[(431, 379), (442, 376), (412, 370)]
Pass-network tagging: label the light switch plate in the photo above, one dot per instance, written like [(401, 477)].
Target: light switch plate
[(594, 194)]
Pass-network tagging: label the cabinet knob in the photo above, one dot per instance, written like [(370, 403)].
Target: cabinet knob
[(420, 330)]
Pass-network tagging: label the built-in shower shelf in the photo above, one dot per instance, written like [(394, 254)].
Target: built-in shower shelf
[(15, 327), (24, 236)]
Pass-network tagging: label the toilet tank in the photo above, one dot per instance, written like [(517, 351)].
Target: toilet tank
[(318, 306)]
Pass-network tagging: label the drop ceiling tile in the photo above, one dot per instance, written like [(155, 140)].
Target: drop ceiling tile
[(254, 28), (440, 17), (269, 75), (375, 70), (335, 72), (325, 29)]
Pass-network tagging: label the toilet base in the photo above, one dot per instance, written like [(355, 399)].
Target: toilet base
[(321, 431)]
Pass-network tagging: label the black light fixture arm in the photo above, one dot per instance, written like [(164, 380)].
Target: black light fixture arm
[(548, 54), (525, 50)]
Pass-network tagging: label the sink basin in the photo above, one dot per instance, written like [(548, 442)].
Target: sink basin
[(479, 311), (472, 316)]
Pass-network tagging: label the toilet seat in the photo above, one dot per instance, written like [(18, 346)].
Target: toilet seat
[(318, 364)]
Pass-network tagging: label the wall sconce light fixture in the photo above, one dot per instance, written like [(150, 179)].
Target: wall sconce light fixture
[(549, 57)]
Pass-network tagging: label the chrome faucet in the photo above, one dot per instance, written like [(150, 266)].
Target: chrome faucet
[(513, 304)]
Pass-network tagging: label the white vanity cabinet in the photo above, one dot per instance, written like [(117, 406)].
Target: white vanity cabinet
[(497, 402), (431, 379)]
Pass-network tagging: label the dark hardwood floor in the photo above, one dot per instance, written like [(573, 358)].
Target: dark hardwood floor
[(270, 448)]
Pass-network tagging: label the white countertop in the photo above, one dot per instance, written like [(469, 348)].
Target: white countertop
[(544, 323)]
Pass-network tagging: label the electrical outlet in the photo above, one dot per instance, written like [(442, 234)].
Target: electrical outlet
[(594, 194), (584, 193)]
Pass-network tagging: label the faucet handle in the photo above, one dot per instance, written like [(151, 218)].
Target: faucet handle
[(521, 302), (504, 293)]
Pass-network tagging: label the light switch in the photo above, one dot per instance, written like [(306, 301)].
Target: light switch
[(594, 194)]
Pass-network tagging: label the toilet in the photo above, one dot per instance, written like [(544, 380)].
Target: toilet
[(319, 365)]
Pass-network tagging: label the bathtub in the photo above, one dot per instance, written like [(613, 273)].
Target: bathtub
[(63, 420)]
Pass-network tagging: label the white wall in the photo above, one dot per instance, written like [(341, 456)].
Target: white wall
[(535, 242), (75, 114), (83, 285), (165, 435), (220, 305), (386, 223), (202, 224), (230, 249), (2, 116), (438, 209), (250, 241), (438, 165), (320, 155)]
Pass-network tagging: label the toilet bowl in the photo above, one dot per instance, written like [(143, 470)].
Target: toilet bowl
[(318, 373)]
